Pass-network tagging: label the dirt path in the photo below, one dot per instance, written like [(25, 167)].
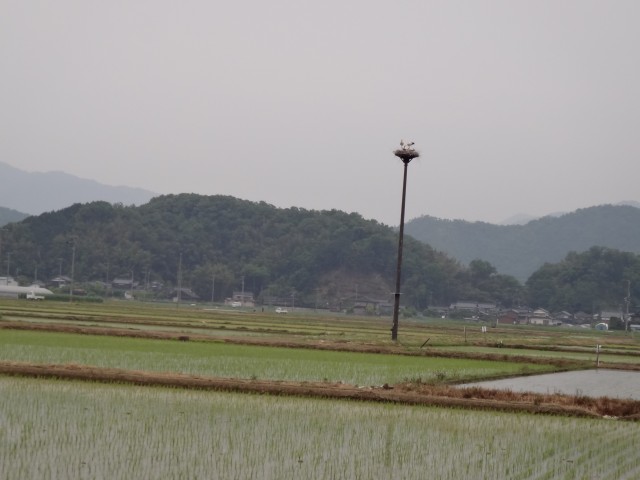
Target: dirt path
[(404, 393)]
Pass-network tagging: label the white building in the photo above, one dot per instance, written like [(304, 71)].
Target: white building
[(540, 317), (14, 291)]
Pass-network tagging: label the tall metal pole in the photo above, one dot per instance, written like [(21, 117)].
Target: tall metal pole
[(406, 153), (396, 303)]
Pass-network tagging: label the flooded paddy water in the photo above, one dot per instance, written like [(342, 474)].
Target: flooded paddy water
[(591, 383)]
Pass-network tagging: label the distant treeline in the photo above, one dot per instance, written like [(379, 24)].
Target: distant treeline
[(216, 245)]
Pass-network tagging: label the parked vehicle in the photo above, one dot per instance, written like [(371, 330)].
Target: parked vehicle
[(33, 296), (281, 310)]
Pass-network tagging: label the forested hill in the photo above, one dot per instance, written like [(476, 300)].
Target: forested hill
[(519, 250), (318, 256), (8, 215)]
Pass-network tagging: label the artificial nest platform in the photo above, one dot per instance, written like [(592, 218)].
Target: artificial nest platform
[(406, 155)]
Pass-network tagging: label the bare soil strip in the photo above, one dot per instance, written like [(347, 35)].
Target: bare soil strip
[(409, 394)]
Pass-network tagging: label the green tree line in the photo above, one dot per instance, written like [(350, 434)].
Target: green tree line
[(223, 239), (589, 282)]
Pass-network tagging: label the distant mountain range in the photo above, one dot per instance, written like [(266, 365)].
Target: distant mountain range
[(524, 218), (519, 250), (517, 247), (38, 192), (8, 215)]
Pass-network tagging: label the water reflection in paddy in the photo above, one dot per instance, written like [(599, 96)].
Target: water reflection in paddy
[(592, 383)]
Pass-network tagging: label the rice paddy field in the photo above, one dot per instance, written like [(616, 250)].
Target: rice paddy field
[(245, 361), (55, 428), (61, 429), (302, 326)]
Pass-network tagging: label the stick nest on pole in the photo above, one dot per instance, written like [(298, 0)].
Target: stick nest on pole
[(406, 154)]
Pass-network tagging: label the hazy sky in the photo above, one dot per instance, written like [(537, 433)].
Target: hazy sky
[(515, 106)]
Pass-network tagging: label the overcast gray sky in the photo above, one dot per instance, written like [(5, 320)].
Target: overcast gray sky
[(515, 106)]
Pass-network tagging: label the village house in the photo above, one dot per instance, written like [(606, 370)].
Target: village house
[(123, 283), (60, 281), (473, 307), (241, 299), (582, 317), (514, 316), (563, 317), (371, 306), (540, 316), (606, 315)]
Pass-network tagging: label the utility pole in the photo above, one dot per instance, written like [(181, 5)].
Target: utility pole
[(627, 300), (73, 265), (108, 285), (213, 286), (179, 281)]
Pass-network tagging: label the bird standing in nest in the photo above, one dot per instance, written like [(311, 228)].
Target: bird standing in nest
[(406, 146)]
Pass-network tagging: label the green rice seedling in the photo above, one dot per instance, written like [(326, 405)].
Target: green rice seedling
[(60, 429), (243, 361)]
